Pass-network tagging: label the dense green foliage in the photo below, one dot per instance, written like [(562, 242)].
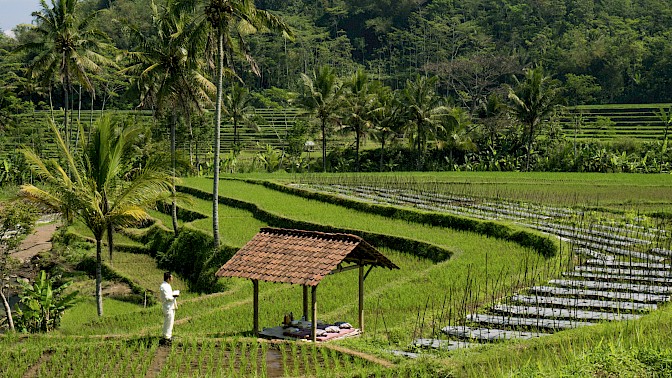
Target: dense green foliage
[(431, 81)]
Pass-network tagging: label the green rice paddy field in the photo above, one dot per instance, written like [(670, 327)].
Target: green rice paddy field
[(212, 332)]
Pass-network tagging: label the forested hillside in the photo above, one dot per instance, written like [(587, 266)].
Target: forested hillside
[(616, 51), (603, 51), (471, 70)]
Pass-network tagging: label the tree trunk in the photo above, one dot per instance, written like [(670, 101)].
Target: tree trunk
[(79, 113), (173, 208), (235, 130), (324, 145), (8, 310), (382, 153), (88, 134), (198, 161), (357, 149), (65, 112), (218, 119), (110, 228), (71, 101), (191, 140), (51, 105), (110, 240), (530, 137), (99, 275)]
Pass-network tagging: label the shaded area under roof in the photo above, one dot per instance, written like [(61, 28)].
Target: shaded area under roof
[(299, 257)]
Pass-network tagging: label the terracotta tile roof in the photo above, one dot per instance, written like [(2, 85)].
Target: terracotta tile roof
[(299, 257)]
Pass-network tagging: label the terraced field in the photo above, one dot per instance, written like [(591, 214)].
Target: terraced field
[(489, 295), (622, 269), (271, 129), (605, 122)]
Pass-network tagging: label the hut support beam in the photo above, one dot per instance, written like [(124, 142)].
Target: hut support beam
[(313, 332), (255, 325), (361, 298), (305, 302)]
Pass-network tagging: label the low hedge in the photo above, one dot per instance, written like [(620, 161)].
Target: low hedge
[(419, 248), (185, 215), (526, 238)]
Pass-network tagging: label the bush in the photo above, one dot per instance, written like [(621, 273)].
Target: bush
[(157, 238), (192, 256)]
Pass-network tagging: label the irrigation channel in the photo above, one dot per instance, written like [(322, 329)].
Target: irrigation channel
[(624, 268)]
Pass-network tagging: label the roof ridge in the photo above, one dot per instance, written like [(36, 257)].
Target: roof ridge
[(319, 234)]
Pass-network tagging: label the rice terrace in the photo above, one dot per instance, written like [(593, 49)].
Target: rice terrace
[(480, 309), (335, 188)]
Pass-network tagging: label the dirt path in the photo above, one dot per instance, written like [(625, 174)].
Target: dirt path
[(38, 241), (158, 361), (34, 370)]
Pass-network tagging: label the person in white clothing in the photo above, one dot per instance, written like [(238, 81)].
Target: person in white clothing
[(169, 305)]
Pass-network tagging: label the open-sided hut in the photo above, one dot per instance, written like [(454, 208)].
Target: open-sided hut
[(303, 258)]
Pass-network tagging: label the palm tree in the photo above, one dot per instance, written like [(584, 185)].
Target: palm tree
[(388, 119), (68, 48), (90, 186), (168, 78), (359, 104), (322, 96), (532, 101), (225, 24), (455, 132), (424, 112), (237, 107)]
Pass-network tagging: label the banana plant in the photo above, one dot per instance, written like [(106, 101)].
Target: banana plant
[(42, 305)]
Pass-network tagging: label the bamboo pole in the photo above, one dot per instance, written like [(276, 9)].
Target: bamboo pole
[(305, 302), (313, 332), (361, 298), (255, 326)]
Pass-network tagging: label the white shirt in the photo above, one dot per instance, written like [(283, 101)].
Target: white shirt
[(166, 295)]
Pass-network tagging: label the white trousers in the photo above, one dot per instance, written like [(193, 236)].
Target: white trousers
[(168, 321)]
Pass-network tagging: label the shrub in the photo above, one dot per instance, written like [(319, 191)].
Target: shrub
[(192, 256)]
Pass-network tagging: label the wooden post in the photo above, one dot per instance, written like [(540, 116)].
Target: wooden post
[(305, 302), (255, 324), (361, 298), (313, 332)]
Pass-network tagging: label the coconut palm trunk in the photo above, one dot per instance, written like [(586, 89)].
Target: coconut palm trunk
[(99, 274), (358, 131), (173, 158), (218, 120), (324, 144), (66, 98), (382, 153)]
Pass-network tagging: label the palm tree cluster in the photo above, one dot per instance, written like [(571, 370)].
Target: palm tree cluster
[(368, 108), (184, 66), (168, 71), (97, 183), (92, 184), (66, 49)]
